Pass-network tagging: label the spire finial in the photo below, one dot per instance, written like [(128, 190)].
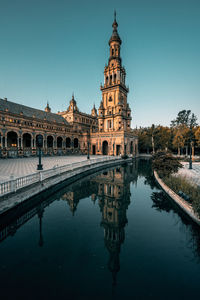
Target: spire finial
[(115, 25), (72, 95)]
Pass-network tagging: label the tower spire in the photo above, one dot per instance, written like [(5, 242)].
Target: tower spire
[(115, 15)]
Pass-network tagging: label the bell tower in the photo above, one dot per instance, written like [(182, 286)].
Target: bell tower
[(114, 112), (114, 135)]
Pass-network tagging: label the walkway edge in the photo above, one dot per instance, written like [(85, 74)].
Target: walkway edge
[(15, 199), (187, 208)]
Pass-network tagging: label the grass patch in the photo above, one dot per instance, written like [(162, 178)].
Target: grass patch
[(178, 183)]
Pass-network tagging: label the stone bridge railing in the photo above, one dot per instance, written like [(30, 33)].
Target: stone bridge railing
[(14, 184)]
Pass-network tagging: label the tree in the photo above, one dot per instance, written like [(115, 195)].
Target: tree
[(144, 139), (152, 132), (184, 123), (184, 117), (197, 135), (162, 138), (165, 164), (178, 140)]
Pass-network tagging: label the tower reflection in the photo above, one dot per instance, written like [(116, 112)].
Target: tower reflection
[(114, 199)]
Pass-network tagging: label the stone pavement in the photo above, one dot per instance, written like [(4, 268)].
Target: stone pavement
[(192, 175), (19, 167)]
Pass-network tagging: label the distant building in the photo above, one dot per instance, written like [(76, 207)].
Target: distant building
[(107, 132)]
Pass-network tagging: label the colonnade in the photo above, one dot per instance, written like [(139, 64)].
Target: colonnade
[(19, 143)]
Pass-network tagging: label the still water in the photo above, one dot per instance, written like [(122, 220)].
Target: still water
[(111, 235)]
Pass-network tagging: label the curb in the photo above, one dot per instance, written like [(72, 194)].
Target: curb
[(187, 208)]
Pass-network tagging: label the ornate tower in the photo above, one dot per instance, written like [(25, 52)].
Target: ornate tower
[(114, 112), (114, 135), (47, 108)]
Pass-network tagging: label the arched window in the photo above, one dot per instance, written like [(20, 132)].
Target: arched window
[(113, 51), (68, 142), (26, 140), (110, 79), (49, 141), (115, 78), (75, 143), (12, 139), (59, 142)]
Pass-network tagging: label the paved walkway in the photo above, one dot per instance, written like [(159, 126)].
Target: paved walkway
[(191, 175), (25, 166)]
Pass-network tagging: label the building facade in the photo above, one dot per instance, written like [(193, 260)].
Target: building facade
[(107, 132)]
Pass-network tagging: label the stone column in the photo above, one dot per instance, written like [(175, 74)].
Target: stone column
[(31, 142), (55, 141), (44, 138), (1, 141), (6, 142)]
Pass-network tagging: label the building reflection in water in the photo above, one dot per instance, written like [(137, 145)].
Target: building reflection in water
[(40, 216), (111, 190), (114, 199)]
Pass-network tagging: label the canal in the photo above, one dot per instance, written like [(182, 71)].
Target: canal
[(110, 235)]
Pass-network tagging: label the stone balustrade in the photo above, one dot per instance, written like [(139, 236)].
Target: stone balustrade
[(14, 185)]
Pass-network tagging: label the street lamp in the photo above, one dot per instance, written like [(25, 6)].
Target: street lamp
[(88, 154), (40, 144), (190, 159)]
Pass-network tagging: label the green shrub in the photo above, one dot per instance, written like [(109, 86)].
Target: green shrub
[(165, 163)]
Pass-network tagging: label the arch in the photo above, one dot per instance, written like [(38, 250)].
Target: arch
[(49, 141), (105, 148), (37, 138), (27, 140), (110, 79), (131, 147), (115, 77), (75, 143), (68, 142), (94, 149), (118, 149), (12, 139), (59, 142), (106, 79)]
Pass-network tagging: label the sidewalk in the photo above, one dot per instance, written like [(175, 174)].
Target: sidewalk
[(24, 166), (192, 175)]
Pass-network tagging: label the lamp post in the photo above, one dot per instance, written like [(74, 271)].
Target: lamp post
[(40, 215), (88, 154), (190, 159), (40, 144)]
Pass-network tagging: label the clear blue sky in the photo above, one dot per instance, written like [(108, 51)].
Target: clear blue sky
[(51, 48)]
